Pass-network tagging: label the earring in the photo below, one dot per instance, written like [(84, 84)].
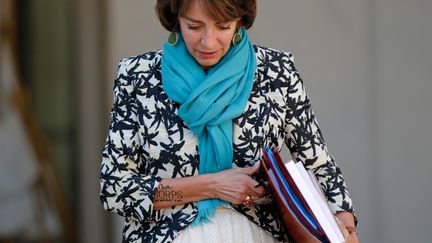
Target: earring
[(237, 38), (172, 38)]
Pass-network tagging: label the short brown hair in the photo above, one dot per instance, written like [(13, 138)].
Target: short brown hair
[(168, 11)]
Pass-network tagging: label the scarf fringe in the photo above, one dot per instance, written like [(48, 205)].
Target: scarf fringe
[(204, 214)]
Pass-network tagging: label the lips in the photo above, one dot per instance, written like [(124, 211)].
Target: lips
[(207, 54)]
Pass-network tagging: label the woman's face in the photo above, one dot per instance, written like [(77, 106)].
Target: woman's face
[(206, 39)]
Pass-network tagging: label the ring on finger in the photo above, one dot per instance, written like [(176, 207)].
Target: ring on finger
[(248, 201)]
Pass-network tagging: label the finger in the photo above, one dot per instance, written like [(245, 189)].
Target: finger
[(256, 188), (253, 169), (343, 228)]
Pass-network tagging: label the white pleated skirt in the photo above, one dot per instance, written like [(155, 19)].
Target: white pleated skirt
[(228, 226)]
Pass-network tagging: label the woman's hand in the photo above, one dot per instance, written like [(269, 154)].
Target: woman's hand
[(234, 185), (346, 220), (231, 185)]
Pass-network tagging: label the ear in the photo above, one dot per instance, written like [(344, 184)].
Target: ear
[(238, 23)]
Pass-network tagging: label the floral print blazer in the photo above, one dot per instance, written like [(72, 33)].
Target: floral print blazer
[(147, 141)]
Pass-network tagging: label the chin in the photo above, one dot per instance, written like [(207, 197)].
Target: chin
[(208, 63)]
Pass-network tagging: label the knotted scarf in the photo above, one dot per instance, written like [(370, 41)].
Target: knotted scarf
[(209, 102)]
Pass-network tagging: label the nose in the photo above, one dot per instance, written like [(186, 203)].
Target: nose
[(208, 38)]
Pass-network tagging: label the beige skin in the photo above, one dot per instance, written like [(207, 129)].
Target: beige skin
[(232, 185), (208, 41)]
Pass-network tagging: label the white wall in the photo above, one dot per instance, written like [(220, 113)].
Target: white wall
[(403, 38), (366, 66), (91, 222)]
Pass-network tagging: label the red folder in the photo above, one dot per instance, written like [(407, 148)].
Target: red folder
[(301, 224)]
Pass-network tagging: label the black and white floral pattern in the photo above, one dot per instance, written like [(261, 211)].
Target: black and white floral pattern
[(147, 141)]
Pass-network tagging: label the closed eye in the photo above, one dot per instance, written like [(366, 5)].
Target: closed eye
[(223, 27), (193, 27)]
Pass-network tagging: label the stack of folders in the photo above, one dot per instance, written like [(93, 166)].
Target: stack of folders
[(300, 200)]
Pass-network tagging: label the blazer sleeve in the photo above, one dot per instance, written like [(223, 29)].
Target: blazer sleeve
[(124, 190), (306, 143)]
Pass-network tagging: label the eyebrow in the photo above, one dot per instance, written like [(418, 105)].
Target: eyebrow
[(200, 22), (191, 19)]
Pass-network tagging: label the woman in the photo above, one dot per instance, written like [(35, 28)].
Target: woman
[(188, 124)]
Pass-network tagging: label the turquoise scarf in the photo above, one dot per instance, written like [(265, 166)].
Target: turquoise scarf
[(209, 101)]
